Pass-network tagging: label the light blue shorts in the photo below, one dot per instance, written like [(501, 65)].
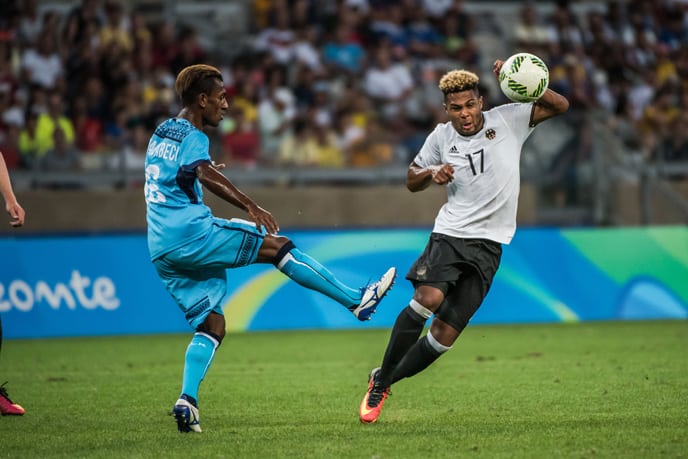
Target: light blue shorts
[(196, 274)]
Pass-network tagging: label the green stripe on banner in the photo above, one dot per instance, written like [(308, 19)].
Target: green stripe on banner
[(622, 254)]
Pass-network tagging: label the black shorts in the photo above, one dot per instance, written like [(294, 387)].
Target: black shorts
[(462, 269)]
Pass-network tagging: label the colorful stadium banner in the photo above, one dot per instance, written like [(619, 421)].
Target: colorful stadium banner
[(106, 285)]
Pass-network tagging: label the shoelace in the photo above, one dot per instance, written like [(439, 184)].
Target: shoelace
[(3, 392), (376, 395)]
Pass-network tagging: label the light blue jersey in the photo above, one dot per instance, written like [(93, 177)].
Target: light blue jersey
[(175, 213)]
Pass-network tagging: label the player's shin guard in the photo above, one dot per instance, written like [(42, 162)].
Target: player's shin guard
[(307, 272), (407, 328), (199, 356), (419, 357)]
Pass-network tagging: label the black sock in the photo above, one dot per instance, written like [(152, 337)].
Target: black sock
[(417, 359), (407, 328)]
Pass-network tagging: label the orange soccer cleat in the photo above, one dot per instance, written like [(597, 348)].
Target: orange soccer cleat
[(373, 400), (7, 406)]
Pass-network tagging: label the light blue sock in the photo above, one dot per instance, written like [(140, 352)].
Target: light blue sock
[(199, 356), (307, 272)]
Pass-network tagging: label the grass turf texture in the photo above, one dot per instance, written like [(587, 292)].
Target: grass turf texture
[(590, 390)]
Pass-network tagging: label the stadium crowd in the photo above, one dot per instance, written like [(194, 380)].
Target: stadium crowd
[(339, 83)]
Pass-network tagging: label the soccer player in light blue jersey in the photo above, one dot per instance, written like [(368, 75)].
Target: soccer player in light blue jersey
[(192, 249)]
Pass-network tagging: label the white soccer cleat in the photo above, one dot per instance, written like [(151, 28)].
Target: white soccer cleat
[(186, 415), (373, 294)]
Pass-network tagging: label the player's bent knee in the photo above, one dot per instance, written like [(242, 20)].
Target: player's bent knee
[(429, 297), (214, 325), (443, 332), (274, 248)]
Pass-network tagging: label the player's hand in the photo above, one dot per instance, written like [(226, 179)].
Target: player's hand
[(497, 67), (16, 213), (217, 166), (443, 174), (263, 219)]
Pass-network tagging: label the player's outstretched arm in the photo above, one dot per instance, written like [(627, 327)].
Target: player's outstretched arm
[(15, 211), (210, 176), (550, 104), (419, 178)]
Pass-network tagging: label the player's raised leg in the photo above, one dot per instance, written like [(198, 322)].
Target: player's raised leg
[(309, 273)]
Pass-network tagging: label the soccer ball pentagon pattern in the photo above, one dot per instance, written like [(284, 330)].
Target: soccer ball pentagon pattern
[(524, 77)]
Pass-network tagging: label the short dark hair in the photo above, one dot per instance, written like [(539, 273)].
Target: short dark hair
[(194, 80)]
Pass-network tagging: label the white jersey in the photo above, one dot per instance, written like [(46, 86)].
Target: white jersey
[(483, 197)]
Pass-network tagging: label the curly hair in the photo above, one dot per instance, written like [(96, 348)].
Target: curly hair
[(457, 81), (194, 80)]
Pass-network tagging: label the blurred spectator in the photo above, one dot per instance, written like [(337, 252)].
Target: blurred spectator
[(9, 146), (388, 83), (375, 149), (29, 23), (260, 14), (387, 25), (116, 30), (457, 26), (436, 9), (140, 32), (342, 53), (349, 133), (50, 121), (42, 65), (326, 147), (674, 147), (164, 48), (28, 141), (424, 39), (564, 29), (530, 34), (672, 29), (83, 60), (306, 50), (296, 148), (246, 100), (88, 128), (79, 19), (240, 140), (189, 52), (61, 156), (8, 80), (275, 118), (132, 155), (659, 118), (277, 39)]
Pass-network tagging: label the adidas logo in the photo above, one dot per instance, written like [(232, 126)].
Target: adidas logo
[(453, 149)]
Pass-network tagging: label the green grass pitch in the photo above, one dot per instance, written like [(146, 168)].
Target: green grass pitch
[(587, 390)]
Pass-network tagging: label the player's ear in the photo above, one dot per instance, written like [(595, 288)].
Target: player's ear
[(203, 100)]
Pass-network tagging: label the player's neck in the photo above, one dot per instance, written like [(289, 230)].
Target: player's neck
[(192, 117)]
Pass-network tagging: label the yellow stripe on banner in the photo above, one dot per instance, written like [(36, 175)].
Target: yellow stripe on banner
[(243, 305), (539, 294)]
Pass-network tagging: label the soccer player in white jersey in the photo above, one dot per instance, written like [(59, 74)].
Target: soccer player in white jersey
[(475, 155), (191, 249)]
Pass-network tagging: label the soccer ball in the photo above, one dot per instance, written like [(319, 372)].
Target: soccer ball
[(524, 77)]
